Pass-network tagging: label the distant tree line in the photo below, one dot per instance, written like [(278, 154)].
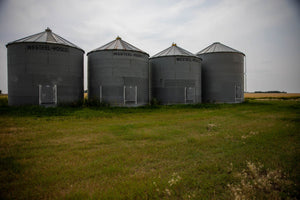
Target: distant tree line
[(270, 92)]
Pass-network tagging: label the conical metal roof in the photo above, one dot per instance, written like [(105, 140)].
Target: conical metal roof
[(174, 50), (46, 36), (118, 44), (218, 47)]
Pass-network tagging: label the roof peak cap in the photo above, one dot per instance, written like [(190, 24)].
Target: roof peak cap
[(118, 38), (48, 30), (174, 44)]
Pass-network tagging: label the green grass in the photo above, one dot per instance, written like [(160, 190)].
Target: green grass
[(166, 152)]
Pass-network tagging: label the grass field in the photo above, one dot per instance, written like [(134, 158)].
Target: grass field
[(165, 152)]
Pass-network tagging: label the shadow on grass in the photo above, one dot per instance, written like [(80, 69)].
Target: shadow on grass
[(93, 111), (88, 109), (37, 111)]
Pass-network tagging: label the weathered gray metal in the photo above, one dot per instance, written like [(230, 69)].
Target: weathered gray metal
[(44, 69), (222, 74), (176, 76), (118, 74)]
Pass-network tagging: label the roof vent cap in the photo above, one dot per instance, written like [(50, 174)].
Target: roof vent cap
[(48, 29), (174, 44), (118, 38)]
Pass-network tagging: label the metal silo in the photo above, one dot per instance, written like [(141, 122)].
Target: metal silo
[(222, 74), (118, 74), (44, 69), (176, 76)]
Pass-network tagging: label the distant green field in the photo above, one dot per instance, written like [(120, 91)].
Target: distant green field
[(202, 151)]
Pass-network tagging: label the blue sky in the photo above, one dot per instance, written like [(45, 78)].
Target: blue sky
[(267, 31)]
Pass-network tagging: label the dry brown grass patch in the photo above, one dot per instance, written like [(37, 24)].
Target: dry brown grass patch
[(271, 95), (259, 183)]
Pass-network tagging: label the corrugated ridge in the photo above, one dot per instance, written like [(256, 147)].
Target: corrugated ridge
[(118, 44), (174, 50), (218, 47), (46, 36)]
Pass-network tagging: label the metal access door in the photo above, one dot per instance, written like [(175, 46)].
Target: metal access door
[(47, 94), (238, 92), (100, 92), (190, 94), (130, 94)]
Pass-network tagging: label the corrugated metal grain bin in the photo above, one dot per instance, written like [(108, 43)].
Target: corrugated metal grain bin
[(118, 74), (222, 74), (44, 69), (176, 76)]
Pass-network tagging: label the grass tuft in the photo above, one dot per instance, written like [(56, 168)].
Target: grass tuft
[(261, 183)]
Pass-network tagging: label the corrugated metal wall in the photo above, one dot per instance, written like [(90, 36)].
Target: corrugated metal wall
[(114, 74), (33, 67), (176, 79), (222, 77)]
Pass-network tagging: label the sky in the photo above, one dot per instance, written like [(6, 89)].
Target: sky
[(267, 31)]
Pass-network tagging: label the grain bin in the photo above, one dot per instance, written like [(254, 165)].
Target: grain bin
[(176, 76), (222, 74), (118, 74), (44, 69)]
